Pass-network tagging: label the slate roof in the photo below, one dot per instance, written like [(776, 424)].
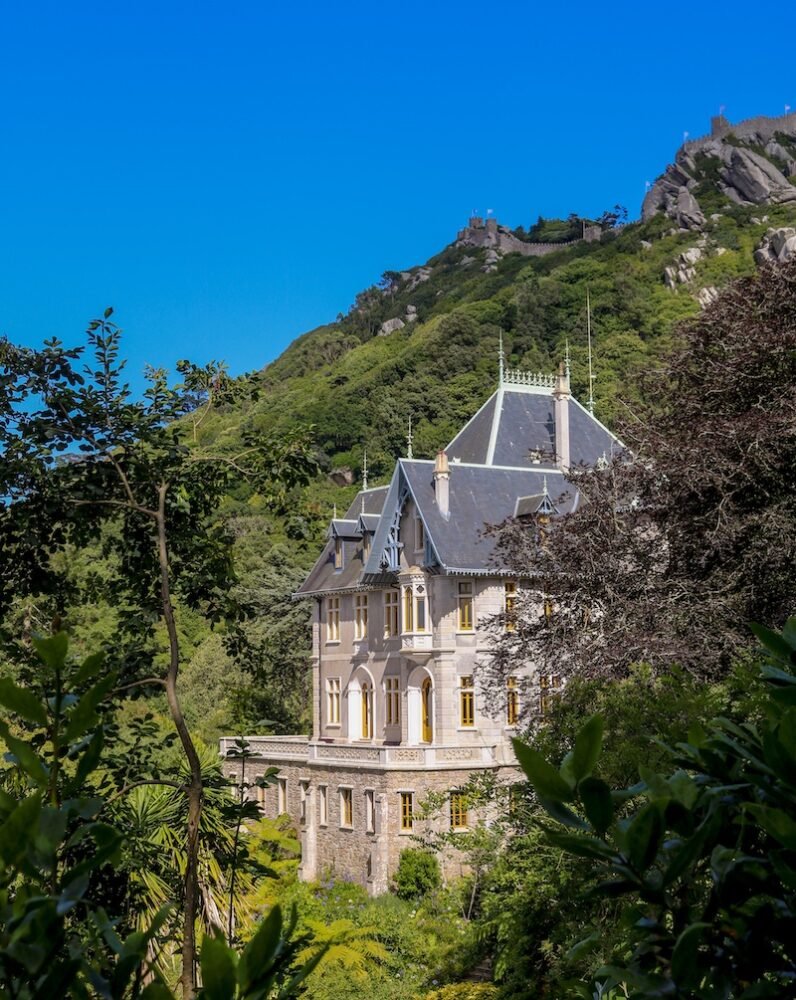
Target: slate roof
[(514, 422), (323, 577), (493, 476)]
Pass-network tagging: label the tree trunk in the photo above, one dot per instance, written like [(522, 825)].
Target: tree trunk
[(194, 788)]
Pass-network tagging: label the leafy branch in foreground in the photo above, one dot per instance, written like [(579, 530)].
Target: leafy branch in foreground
[(81, 453), (704, 857)]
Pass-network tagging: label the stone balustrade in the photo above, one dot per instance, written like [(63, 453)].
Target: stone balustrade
[(301, 748)]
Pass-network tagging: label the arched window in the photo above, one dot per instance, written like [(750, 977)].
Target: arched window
[(426, 694), (367, 711)]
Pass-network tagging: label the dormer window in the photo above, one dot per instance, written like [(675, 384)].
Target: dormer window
[(338, 553), (420, 535), (365, 546)]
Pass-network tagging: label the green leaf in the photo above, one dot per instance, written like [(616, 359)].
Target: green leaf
[(597, 803), (545, 779), (16, 832), (258, 955), (22, 701), (777, 823), (52, 650), (587, 747), (28, 759), (83, 715), (218, 969), (88, 762), (158, 991), (89, 668), (581, 847), (642, 837), (775, 643), (563, 814), (685, 970)]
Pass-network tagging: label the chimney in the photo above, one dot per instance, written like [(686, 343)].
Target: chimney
[(442, 475), (561, 397)]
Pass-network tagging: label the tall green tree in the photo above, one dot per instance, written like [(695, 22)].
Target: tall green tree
[(82, 452)]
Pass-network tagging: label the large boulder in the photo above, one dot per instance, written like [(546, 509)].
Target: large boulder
[(777, 246), (390, 326), (754, 177)]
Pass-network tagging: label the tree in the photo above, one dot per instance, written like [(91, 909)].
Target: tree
[(81, 453), (691, 531), (704, 855)]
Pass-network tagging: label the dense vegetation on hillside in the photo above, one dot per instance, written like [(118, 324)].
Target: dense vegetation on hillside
[(246, 513)]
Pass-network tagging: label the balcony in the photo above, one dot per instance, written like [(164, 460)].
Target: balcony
[(389, 758)]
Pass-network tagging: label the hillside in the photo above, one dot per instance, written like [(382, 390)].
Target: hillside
[(423, 343)]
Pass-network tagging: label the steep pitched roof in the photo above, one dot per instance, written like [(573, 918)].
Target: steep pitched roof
[(514, 422), (323, 576)]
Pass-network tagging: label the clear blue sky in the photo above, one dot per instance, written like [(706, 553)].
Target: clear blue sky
[(230, 175)]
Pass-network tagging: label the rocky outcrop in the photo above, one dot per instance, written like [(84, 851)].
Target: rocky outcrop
[(390, 326), (752, 163), (777, 246)]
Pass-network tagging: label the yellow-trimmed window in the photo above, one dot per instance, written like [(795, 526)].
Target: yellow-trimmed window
[(466, 701), (361, 616), (407, 812), (367, 711), (392, 695), (346, 807), (549, 687), (465, 607), (458, 811), (420, 612), (333, 701), (332, 619), (408, 617), (510, 604), (391, 612), (512, 702)]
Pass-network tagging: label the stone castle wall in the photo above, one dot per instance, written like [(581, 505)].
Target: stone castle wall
[(763, 126)]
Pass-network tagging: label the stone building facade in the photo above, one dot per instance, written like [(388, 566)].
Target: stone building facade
[(401, 593)]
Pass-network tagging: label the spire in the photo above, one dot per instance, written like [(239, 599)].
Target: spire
[(501, 361), (334, 512), (567, 358), (409, 441), (592, 376), (364, 478), (544, 484)]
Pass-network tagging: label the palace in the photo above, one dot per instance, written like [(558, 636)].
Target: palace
[(401, 591)]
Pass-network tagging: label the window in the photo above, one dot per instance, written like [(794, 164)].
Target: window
[(259, 794), (281, 787), (332, 619), (549, 687), (407, 812), (420, 535), (365, 546), (338, 553), (333, 701), (458, 811), (426, 710), (510, 604), (323, 805), (361, 616), (370, 810), (367, 711), (420, 612), (465, 607), (392, 696), (346, 807), (303, 789), (407, 622), (512, 702), (390, 613), (466, 701)]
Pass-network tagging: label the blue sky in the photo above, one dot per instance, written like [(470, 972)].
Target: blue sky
[(228, 176)]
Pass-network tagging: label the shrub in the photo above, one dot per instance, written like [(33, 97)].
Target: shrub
[(418, 874), (464, 991)]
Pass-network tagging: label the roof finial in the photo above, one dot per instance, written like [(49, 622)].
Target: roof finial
[(567, 358), (592, 376), (365, 469), (544, 484), (409, 440), (334, 512), (501, 361)]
